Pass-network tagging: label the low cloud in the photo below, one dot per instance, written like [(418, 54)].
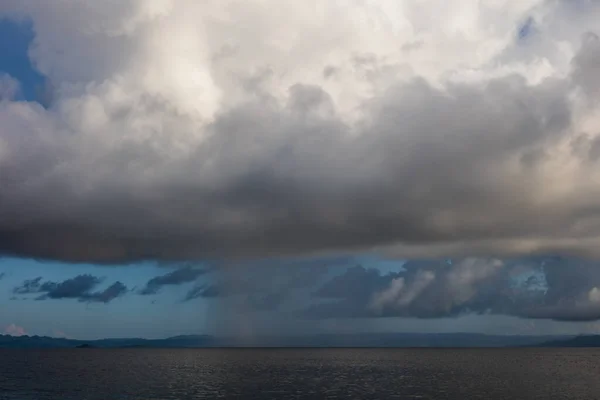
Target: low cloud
[(180, 276), (80, 288), (566, 313), (562, 289), (398, 294), (29, 286), (203, 291), (267, 284), (15, 330), (576, 305), (107, 295)]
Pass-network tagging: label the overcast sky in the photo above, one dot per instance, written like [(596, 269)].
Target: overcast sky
[(183, 166)]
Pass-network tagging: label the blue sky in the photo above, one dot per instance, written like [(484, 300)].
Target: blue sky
[(15, 39), (167, 314), (161, 315), (132, 315), (158, 141)]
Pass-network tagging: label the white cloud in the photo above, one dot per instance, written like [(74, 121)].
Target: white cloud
[(465, 277), (594, 295), (387, 296), (14, 330), (9, 87), (399, 295), (456, 286)]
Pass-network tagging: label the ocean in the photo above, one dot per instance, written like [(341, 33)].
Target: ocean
[(156, 374)]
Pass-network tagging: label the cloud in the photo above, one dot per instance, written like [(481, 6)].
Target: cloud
[(15, 330), (356, 280), (70, 288), (556, 288), (184, 130), (80, 288), (178, 277), (265, 284), (59, 334), (2, 275), (585, 307), (29, 286), (115, 290), (203, 291), (9, 87), (398, 295)]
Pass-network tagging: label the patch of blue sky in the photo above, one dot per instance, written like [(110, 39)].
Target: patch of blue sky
[(131, 315), (526, 29), (15, 40), (534, 280)]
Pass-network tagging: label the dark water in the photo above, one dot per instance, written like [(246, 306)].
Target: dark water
[(86, 374)]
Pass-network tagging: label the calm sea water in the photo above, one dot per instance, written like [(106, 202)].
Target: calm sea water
[(139, 374)]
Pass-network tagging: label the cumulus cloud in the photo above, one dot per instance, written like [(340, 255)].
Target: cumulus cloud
[(80, 288), (423, 289), (181, 129), (178, 277), (556, 288), (581, 307), (398, 294), (15, 330)]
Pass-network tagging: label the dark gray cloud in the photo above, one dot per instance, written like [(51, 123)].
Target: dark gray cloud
[(255, 300), (115, 290), (154, 152), (357, 282), (266, 285), (74, 288), (80, 288), (180, 276), (29, 286), (204, 291)]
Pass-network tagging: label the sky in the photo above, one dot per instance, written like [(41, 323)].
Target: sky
[(241, 167)]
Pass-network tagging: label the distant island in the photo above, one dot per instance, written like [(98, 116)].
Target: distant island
[(381, 340)]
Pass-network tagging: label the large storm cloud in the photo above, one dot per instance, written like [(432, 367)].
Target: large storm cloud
[(181, 130)]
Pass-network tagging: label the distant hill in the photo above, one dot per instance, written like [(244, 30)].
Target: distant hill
[(578, 341), (324, 340), (24, 342)]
